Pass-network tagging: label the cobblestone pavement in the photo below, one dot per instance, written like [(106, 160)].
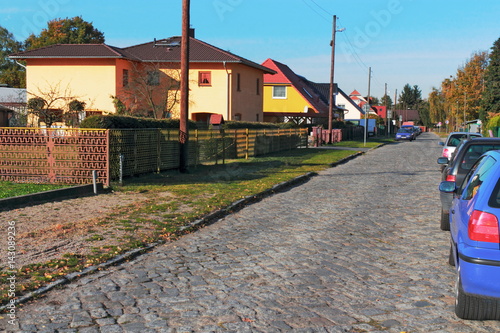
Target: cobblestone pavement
[(356, 249)]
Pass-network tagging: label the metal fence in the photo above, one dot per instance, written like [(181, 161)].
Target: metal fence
[(70, 156), (67, 156)]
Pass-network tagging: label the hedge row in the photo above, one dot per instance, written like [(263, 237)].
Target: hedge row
[(112, 121), (116, 121)]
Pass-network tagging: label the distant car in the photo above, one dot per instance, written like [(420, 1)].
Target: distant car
[(418, 130), (466, 154), (475, 239), (453, 140), (405, 134)]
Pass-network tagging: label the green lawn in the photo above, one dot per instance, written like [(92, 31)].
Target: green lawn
[(9, 189)]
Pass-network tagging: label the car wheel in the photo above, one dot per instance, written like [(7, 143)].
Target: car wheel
[(445, 221), (473, 307)]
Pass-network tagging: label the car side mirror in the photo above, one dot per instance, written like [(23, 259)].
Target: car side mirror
[(441, 143), (443, 160), (447, 187)]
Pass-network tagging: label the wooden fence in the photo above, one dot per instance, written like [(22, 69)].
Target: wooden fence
[(71, 155)]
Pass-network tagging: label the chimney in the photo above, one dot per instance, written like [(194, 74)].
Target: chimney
[(191, 32)]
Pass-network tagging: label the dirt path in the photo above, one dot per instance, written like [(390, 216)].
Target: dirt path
[(46, 231)]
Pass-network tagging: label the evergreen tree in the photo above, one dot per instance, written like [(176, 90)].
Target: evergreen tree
[(490, 102)]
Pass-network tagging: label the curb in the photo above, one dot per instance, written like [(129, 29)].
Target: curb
[(204, 221)]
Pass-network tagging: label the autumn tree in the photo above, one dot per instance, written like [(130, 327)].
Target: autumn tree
[(10, 72), (490, 102), (65, 31), (436, 101)]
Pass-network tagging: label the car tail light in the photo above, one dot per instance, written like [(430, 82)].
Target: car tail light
[(483, 227), (451, 178), (446, 153)]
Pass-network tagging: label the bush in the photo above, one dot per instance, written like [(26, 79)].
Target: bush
[(113, 121)]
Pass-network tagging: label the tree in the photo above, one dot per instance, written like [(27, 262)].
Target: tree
[(386, 100), (54, 105), (66, 31), (410, 96), (150, 91), (490, 102), (10, 72), (436, 106)]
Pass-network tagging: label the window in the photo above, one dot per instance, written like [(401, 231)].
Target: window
[(237, 116), (204, 78), (279, 92), (238, 82), (153, 78), (475, 177), (258, 87), (125, 77)]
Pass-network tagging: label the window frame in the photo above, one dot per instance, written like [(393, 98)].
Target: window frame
[(279, 97), (202, 76)]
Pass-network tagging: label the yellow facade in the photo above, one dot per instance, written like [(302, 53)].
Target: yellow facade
[(236, 91), (92, 81), (292, 103)]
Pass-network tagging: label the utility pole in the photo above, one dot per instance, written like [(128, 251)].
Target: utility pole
[(332, 72), (184, 104), (386, 111), (368, 107), (395, 105)]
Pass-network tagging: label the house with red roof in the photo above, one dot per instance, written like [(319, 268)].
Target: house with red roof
[(144, 79), (291, 97)]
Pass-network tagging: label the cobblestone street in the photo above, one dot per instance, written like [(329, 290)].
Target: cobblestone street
[(357, 248)]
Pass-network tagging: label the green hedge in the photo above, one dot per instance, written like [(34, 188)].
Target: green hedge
[(256, 125), (112, 121)]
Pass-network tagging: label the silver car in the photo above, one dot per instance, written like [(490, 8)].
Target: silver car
[(453, 140)]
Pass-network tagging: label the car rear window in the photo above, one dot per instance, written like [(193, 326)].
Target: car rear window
[(455, 139), (473, 153)]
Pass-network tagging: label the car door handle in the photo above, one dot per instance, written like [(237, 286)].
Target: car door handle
[(453, 211)]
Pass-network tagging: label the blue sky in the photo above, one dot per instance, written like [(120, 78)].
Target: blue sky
[(420, 42)]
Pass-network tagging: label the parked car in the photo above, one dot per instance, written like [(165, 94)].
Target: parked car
[(418, 130), (466, 154), (453, 140), (475, 239), (405, 133)]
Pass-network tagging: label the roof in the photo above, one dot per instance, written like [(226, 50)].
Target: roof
[(61, 51), (164, 50), (286, 76)]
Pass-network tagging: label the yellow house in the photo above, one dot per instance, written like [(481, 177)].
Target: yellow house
[(144, 79), (289, 97)]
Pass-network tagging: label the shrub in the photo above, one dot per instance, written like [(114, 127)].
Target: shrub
[(114, 121)]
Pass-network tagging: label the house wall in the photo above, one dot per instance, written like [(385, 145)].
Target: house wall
[(294, 102), (247, 99), (353, 112), (89, 80)]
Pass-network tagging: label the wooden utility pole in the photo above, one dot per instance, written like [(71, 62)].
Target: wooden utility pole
[(183, 123), (368, 107), (332, 71)]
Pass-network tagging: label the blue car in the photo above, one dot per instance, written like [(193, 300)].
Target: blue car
[(405, 133), (475, 239)]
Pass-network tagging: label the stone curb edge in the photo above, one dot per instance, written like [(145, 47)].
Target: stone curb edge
[(204, 221)]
